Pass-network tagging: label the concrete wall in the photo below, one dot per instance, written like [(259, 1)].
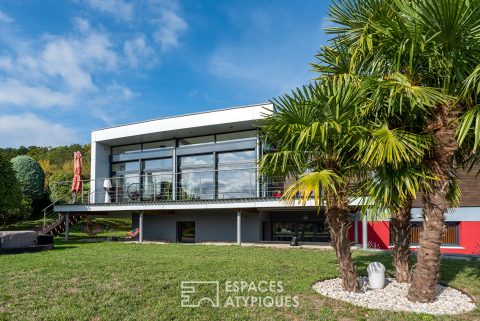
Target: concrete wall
[(100, 168), (212, 225)]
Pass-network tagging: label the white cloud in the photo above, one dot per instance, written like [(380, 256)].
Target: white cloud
[(82, 25), (62, 67), (4, 18), (163, 16), (138, 53), (28, 129), (14, 92), (120, 9), (5, 62), (73, 59), (170, 27)]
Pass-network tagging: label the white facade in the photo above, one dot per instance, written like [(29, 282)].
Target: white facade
[(195, 124)]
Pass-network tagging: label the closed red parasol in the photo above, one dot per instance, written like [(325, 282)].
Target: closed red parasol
[(77, 173)]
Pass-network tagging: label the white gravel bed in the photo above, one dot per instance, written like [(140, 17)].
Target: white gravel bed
[(394, 297)]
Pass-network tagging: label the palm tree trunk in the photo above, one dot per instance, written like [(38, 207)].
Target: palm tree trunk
[(338, 220), (435, 204), (400, 225)]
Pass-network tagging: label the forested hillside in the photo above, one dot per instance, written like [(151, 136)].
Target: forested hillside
[(54, 160), (28, 180)]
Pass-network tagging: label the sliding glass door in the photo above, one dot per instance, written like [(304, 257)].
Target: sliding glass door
[(236, 175), (157, 179), (196, 179)]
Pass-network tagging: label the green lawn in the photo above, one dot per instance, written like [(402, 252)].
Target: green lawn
[(120, 281)]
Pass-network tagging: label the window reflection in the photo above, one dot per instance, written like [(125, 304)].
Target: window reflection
[(236, 174), (196, 177), (196, 140), (305, 231), (157, 145), (157, 179), (126, 166), (126, 149), (236, 136), (126, 187)]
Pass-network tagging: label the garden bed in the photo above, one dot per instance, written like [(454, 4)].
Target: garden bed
[(393, 297)]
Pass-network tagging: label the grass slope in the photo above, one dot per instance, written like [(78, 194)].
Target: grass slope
[(119, 281)]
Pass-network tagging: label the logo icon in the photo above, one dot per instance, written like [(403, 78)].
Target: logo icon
[(196, 293)]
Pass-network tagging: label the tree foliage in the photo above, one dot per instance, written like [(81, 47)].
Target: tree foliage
[(30, 175), (59, 187), (10, 192)]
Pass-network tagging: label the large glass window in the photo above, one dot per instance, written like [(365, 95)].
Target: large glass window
[(236, 135), (126, 182), (196, 140), (126, 187), (157, 179), (126, 149), (236, 176), (126, 167), (157, 145), (305, 231), (162, 163), (196, 177)]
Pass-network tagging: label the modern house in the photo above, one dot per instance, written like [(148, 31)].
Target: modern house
[(194, 178)]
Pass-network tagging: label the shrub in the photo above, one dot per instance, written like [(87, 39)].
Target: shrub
[(10, 192), (30, 175)]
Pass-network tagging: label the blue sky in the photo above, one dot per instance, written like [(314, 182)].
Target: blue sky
[(67, 67)]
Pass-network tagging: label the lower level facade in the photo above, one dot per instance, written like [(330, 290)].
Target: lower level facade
[(271, 221), (195, 226)]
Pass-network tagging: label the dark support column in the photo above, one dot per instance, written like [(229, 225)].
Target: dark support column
[(67, 226)]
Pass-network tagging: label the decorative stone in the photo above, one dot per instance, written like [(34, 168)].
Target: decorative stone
[(393, 297)]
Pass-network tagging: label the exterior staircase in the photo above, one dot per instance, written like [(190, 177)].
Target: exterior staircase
[(54, 222), (58, 226)]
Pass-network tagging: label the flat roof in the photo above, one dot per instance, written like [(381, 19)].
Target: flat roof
[(183, 115), (192, 124)]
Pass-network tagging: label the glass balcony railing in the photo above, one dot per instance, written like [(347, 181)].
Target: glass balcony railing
[(222, 184)]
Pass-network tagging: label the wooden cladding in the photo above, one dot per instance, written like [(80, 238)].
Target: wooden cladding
[(449, 236), (469, 184)]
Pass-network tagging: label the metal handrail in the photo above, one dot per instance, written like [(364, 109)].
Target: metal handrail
[(51, 213), (168, 186)]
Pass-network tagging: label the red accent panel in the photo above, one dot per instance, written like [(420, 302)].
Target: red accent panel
[(379, 234), (469, 238)]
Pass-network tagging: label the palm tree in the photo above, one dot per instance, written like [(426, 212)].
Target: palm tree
[(434, 43), (312, 132), (396, 180), (328, 138)]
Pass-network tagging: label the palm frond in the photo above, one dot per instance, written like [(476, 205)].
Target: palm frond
[(382, 145), (312, 185), (465, 126)]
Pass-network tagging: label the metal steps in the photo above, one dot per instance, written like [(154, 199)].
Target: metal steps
[(58, 227)]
